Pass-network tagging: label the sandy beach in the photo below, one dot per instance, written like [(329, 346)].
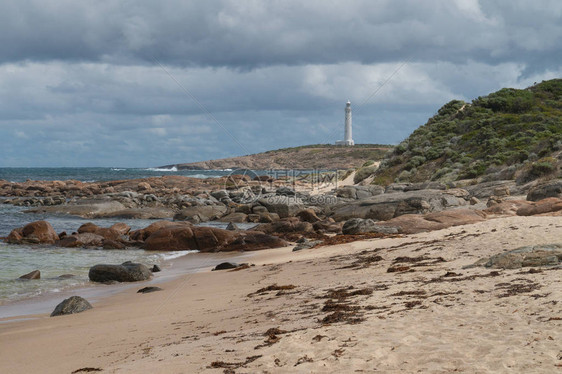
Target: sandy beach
[(329, 309)]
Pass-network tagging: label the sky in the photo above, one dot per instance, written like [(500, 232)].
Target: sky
[(140, 84)]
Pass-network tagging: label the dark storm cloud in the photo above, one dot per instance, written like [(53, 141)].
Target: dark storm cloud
[(246, 34)]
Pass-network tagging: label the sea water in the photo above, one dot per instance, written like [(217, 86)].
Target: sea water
[(66, 268)]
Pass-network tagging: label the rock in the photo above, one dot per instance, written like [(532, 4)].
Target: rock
[(106, 233), (285, 206), (39, 232), (143, 234), (548, 205), (474, 200), (268, 217), (66, 276), (87, 208), (507, 207), (149, 289), (359, 192), (155, 269), (285, 191), (209, 239), (305, 243), (286, 225), (538, 255), (327, 225), (424, 186), (146, 212), (308, 215), (81, 241), (235, 217), (72, 305), (35, 274), (486, 189), (414, 223), (121, 228), (391, 205), (551, 188), (225, 266), (201, 213), (361, 226), (126, 272), (144, 187), (112, 244), (232, 227)]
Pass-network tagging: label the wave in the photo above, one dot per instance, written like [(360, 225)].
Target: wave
[(173, 168), (171, 256), (117, 169)]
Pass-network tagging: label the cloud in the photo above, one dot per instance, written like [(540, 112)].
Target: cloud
[(104, 83)]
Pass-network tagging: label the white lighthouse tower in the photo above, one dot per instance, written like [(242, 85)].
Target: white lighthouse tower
[(348, 139)]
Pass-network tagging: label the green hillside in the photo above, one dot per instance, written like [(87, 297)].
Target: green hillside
[(509, 134)]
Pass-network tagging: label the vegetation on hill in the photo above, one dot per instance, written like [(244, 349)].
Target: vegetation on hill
[(318, 156), (509, 134)]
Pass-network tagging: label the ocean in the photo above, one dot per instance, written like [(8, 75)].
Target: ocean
[(53, 262)]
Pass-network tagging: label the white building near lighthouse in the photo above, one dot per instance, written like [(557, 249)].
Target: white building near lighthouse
[(348, 138)]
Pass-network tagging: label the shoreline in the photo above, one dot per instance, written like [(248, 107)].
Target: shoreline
[(34, 307), (420, 319)]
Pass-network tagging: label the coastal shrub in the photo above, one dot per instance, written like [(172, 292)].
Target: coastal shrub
[(404, 176), (502, 129), (542, 167), (367, 163), (363, 173)]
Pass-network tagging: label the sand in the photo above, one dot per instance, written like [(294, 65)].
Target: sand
[(433, 316)]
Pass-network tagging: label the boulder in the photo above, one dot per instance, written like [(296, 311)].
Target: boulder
[(209, 239), (359, 192), (551, 188), (308, 215), (72, 305), (87, 208), (414, 223), (106, 233), (155, 269), (391, 205), (225, 266), (286, 225), (327, 225), (538, 255), (202, 213), (495, 188), (121, 228), (232, 227), (81, 241), (362, 226), (39, 232), (284, 206), (305, 243), (126, 272), (143, 234), (548, 205), (35, 274)]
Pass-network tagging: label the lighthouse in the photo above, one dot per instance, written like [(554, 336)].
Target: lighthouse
[(348, 138)]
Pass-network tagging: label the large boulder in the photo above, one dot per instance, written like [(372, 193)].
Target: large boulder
[(143, 234), (538, 255), (106, 233), (35, 274), (391, 205), (285, 206), (361, 226), (548, 205), (84, 240), (209, 239), (126, 272), (552, 188), (359, 192), (202, 213), (39, 232), (284, 226), (415, 223), (72, 305)]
